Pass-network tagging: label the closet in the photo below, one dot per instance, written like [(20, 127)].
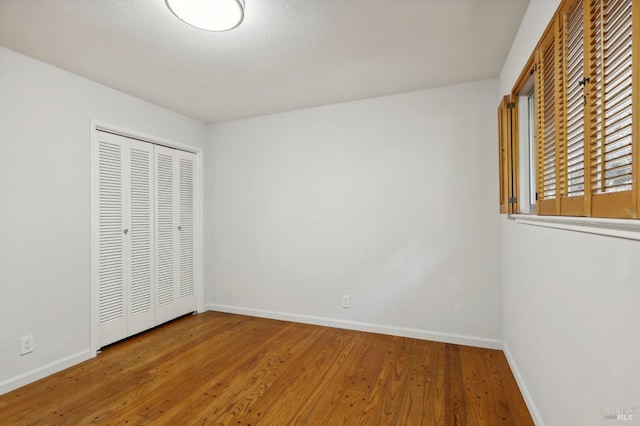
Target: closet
[(145, 226)]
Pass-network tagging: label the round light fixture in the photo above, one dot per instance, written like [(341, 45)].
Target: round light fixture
[(209, 15)]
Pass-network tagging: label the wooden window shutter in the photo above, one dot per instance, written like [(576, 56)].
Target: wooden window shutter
[(612, 108), (547, 82), (502, 155), (586, 110), (573, 201), (507, 156)]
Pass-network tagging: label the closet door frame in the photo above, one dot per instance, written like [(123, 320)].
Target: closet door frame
[(97, 126)]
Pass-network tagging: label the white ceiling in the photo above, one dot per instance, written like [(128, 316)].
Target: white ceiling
[(286, 55)]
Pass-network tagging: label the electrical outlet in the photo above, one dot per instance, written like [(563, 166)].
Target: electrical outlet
[(26, 345), (345, 301)]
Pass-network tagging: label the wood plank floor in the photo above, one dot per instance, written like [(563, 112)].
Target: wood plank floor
[(216, 368)]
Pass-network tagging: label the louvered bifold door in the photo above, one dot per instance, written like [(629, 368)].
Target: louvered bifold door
[(140, 237), (112, 318), (175, 233), (573, 201), (186, 239), (125, 227), (611, 109)]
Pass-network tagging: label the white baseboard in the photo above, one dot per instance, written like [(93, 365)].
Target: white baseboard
[(361, 326), (44, 371), (528, 399)]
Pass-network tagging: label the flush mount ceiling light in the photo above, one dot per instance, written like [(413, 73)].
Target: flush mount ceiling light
[(209, 15)]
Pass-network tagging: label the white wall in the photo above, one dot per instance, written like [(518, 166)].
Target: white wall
[(572, 321), (390, 200), (45, 134), (534, 22), (571, 301)]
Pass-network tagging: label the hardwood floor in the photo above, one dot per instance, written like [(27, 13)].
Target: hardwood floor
[(216, 368)]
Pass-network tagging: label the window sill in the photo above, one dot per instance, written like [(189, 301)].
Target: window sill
[(619, 228)]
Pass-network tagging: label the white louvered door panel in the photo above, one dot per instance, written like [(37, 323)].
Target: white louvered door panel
[(186, 238), (126, 235), (112, 320), (175, 233), (141, 237), (165, 235)]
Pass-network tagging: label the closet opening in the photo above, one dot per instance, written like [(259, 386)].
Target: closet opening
[(145, 234)]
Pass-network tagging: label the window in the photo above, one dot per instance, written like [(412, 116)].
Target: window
[(531, 151), (527, 148), (582, 106), (523, 145)]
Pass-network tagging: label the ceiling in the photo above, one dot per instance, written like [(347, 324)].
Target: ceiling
[(286, 55)]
